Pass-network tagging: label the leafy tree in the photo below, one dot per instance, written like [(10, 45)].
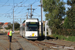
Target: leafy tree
[(54, 12), (71, 13), (23, 21), (9, 26), (66, 23), (16, 26)]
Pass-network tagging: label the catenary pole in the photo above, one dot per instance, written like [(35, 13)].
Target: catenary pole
[(31, 11), (13, 15), (42, 17), (27, 16)]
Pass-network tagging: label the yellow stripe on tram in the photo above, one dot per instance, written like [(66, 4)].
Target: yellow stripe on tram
[(32, 34)]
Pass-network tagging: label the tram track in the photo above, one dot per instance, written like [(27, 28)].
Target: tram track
[(18, 43), (21, 48), (32, 42), (13, 41), (3, 46), (2, 40), (38, 44), (48, 45)]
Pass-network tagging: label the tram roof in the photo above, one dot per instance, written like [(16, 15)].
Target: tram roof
[(32, 20)]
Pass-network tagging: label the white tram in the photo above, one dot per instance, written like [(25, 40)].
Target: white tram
[(31, 29)]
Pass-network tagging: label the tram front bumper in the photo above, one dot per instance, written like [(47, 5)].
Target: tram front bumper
[(31, 37)]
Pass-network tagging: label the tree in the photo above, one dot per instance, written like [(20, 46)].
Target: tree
[(66, 23), (71, 13), (16, 26), (54, 12), (24, 21), (9, 26)]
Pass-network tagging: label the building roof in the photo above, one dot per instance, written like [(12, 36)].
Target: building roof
[(1, 23), (6, 23)]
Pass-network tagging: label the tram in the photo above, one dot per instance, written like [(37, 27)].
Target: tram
[(31, 29)]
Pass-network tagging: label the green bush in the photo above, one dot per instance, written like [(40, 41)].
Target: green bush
[(6, 28), (59, 36), (69, 38), (65, 32)]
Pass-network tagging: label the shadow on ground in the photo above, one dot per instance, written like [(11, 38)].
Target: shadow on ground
[(2, 33), (43, 38), (20, 49)]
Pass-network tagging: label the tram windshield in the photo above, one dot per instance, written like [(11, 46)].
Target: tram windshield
[(32, 26)]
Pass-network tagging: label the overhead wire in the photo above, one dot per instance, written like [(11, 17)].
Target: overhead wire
[(5, 3), (23, 2), (16, 9), (34, 2), (17, 5), (20, 2), (9, 10), (21, 10), (21, 6), (6, 13), (36, 8)]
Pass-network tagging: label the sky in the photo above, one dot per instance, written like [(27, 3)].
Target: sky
[(20, 10)]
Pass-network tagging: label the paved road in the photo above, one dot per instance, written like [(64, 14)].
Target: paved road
[(18, 43)]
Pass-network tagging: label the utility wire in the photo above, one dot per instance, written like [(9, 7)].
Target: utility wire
[(9, 10), (34, 2), (5, 3), (16, 9), (21, 10), (19, 3), (36, 13), (22, 1)]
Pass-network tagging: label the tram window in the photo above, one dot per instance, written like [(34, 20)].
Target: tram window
[(32, 26), (32, 29)]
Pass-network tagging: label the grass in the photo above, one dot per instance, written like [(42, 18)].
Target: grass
[(71, 38), (61, 37)]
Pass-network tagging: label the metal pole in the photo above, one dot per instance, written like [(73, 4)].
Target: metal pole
[(20, 27), (31, 11), (41, 17), (27, 15), (13, 15), (45, 29), (13, 20)]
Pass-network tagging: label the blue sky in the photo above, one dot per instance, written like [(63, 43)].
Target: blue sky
[(6, 10)]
